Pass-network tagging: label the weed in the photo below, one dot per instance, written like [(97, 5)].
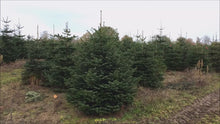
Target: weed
[(32, 96)]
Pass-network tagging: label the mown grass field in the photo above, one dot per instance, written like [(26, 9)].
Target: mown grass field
[(149, 106)]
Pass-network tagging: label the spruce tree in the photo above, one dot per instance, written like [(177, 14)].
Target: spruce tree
[(149, 66), (214, 56), (102, 80), (60, 62), (8, 46), (18, 31), (128, 47), (55, 59), (182, 50), (20, 42), (6, 30), (172, 57)]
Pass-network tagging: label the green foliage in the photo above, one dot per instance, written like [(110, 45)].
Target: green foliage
[(7, 49), (21, 49), (214, 55), (147, 59), (60, 63), (149, 67), (33, 68), (128, 48), (182, 50), (11, 47), (50, 61), (184, 54), (172, 57), (32, 96), (103, 80), (39, 49)]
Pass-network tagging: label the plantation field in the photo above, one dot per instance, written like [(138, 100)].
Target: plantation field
[(176, 102)]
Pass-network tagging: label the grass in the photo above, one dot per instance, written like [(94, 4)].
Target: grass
[(152, 105), (149, 106), (160, 107), (13, 76), (207, 119)]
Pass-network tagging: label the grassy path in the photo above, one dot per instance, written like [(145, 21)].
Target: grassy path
[(208, 105)]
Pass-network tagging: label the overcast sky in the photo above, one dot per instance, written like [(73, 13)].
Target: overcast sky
[(196, 18)]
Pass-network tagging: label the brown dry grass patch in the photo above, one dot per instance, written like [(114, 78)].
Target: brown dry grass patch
[(11, 66), (189, 78), (15, 110)]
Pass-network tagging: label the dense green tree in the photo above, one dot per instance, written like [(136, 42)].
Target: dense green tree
[(182, 49), (149, 66), (18, 31), (12, 44), (102, 80), (128, 47), (33, 69), (20, 42), (7, 44), (60, 62), (214, 55), (172, 57)]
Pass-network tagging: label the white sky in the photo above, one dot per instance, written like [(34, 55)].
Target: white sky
[(197, 18)]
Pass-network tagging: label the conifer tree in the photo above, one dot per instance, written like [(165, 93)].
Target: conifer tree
[(149, 66), (182, 50), (7, 48), (18, 31), (6, 30), (59, 62), (214, 56), (20, 42), (67, 31), (102, 81), (172, 57), (128, 47)]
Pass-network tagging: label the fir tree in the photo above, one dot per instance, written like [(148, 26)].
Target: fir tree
[(66, 34), (8, 47), (102, 81), (214, 55), (60, 62), (20, 42), (6, 29), (18, 31), (149, 67), (172, 57), (182, 50), (67, 31)]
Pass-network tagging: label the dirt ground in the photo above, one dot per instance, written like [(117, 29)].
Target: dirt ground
[(11, 66), (14, 109), (208, 105)]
